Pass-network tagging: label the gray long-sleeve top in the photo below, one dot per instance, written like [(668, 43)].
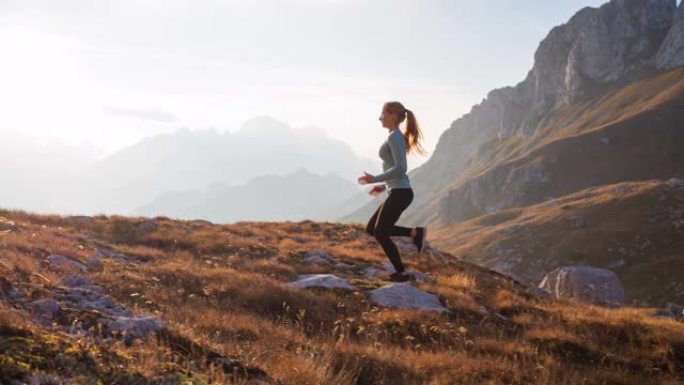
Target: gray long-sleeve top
[(393, 154)]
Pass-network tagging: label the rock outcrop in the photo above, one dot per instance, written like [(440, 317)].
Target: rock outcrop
[(671, 53)]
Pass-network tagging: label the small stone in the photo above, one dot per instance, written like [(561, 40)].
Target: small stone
[(616, 265), (76, 281), (16, 295), (388, 267), (94, 262), (317, 255), (676, 182), (420, 277), (135, 327), (147, 226), (45, 310), (372, 272)]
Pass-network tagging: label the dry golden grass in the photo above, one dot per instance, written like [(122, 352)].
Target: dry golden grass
[(630, 221), (458, 281), (222, 287)]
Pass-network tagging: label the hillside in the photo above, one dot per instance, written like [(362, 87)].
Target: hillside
[(160, 172), (633, 228), (626, 133), (602, 105), (220, 310)]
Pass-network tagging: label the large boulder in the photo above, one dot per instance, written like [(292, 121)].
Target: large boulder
[(403, 295), (586, 283)]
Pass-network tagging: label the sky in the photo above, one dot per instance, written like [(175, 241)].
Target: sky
[(106, 74)]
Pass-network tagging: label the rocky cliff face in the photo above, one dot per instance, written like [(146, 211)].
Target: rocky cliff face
[(596, 49), (671, 53)]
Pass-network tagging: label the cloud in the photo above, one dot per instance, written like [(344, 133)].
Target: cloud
[(154, 114)]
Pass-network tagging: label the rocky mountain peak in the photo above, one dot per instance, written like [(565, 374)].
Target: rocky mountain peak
[(599, 45), (671, 53)]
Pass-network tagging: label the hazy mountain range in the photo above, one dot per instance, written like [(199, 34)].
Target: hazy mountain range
[(296, 196), (63, 179)]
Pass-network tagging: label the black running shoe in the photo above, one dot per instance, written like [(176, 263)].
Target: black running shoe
[(399, 277), (419, 239)]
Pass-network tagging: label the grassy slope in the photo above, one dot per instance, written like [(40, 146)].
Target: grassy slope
[(629, 132), (221, 288), (639, 223)]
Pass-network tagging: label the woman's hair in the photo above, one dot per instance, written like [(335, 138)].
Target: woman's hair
[(412, 133)]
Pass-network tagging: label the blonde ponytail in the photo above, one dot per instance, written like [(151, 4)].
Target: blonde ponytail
[(412, 133)]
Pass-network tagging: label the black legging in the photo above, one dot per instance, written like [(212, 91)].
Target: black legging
[(381, 224)]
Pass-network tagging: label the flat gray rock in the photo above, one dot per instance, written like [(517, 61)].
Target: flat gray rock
[(321, 280), (316, 259), (404, 295)]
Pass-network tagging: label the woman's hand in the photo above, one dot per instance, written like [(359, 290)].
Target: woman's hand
[(377, 189), (366, 178)]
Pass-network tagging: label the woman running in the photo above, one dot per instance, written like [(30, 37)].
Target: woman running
[(393, 153)]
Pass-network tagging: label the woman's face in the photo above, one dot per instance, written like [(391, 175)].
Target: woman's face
[(388, 118)]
